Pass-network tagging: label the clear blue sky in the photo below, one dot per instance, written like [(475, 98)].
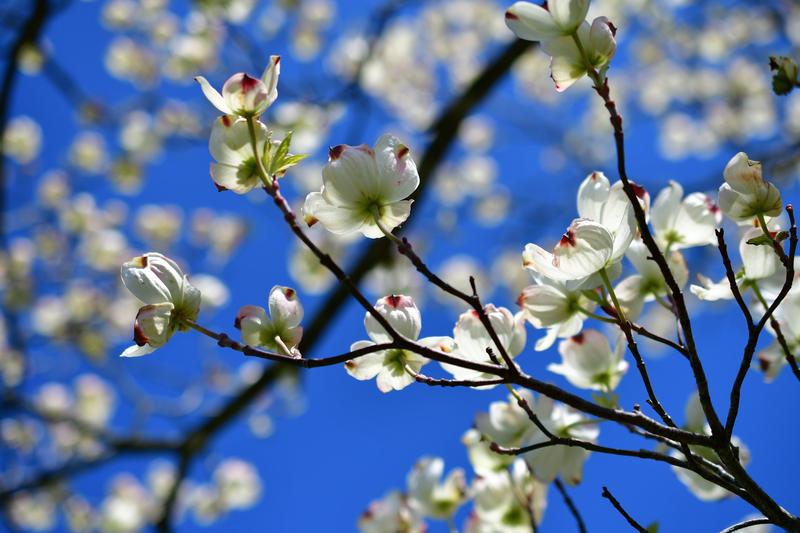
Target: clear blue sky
[(353, 444)]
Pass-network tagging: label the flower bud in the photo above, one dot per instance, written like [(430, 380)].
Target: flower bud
[(152, 329), (154, 278), (745, 194)]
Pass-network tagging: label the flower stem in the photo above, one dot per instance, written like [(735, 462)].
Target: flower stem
[(614, 300), (262, 172), (376, 215)]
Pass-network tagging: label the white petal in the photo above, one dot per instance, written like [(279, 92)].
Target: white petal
[(568, 14), (285, 307), (338, 220), (398, 172), (351, 176), (137, 351), (531, 22), (367, 366), (213, 96), (593, 195)]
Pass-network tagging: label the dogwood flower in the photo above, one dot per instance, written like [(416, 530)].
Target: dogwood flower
[(536, 23), (472, 340), (550, 304), (699, 486), (648, 283), (608, 205), (431, 496), (363, 189), (772, 358), (584, 249), (170, 299), (244, 95), (280, 331), (589, 363), (390, 514), (389, 366), (236, 168), (498, 501), (684, 222), (758, 263), (745, 195), (562, 461), (569, 63)]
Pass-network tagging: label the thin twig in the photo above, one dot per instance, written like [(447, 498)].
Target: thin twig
[(570, 505), (618, 506)]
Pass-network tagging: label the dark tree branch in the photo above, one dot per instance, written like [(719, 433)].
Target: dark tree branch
[(570, 505), (621, 510)]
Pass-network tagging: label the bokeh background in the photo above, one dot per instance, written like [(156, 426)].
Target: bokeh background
[(106, 157)]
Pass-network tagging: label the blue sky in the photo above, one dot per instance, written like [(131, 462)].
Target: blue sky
[(353, 443)]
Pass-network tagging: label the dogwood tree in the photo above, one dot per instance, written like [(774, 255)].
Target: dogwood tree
[(629, 275)]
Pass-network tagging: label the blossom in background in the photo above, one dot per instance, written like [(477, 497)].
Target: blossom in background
[(702, 488), (389, 366), (22, 139), (169, 299), (588, 362), (280, 331), (559, 461), (244, 95), (498, 501), (363, 189), (390, 514), (745, 195), (472, 340), (236, 168), (680, 222), (772, 359), (429, 494)]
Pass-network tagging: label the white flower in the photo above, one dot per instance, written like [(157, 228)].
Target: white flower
[(238, 484), (431, 496), (390, 515), (281, 331), (759, 262), (360, 185), (710, 290), (684, 223), (243, 95), (589, 363), (236, 168), (506, 423), (389, 366), (170, 299), (550, 304), (609, 206), (648, 283), (772, 359), (472, 340), (568, 63), (536, 23), (22, 139), (563, 461), (584, 249), (745, 194), (498, 498)]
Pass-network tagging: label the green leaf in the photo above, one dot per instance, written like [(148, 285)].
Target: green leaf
[(281, 152), (763, 240), (289, 162), (652, 528)]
